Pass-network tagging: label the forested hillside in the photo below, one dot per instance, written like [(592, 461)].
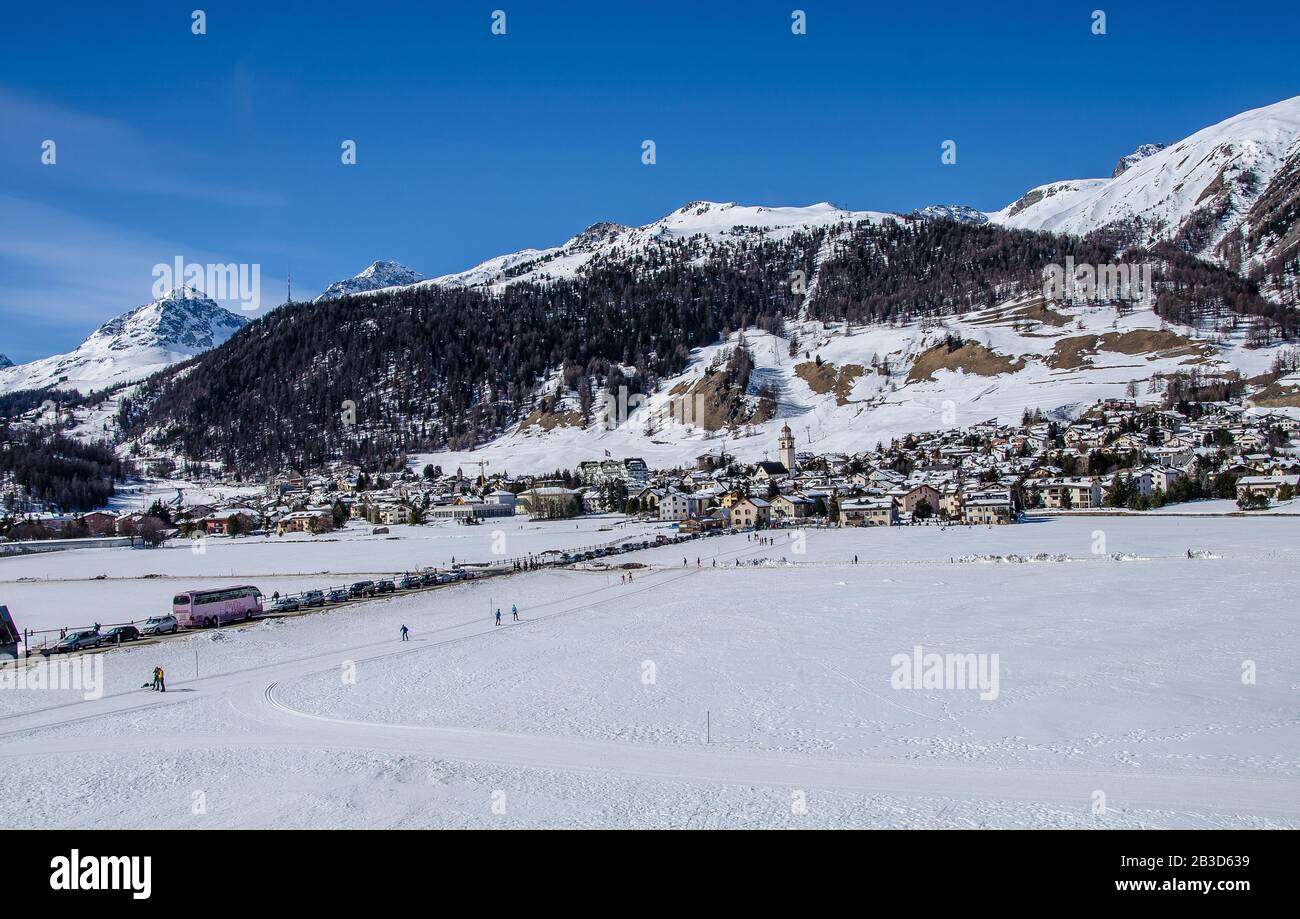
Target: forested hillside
[(369, 378)]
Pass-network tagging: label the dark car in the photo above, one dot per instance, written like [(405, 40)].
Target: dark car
[(313, 598), (120, 633), (429, 578), (385, 586), (362, 589), (410, 582), (337, 595)]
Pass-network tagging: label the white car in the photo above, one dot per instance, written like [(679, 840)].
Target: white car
[(160, 625)]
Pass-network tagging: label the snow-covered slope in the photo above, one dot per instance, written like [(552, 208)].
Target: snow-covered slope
[(716, 221), (132, 346), (376, 276), (878, 382), (1229, 191)]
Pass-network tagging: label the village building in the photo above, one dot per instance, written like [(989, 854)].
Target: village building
[(869, 513), (750, 512), (320, 520)]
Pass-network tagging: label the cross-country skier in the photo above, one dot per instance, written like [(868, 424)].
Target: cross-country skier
[(514, 611), (498, 617), (406, 634)]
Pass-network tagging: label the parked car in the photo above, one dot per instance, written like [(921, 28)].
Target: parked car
[(429, 578), (362, 589), (285, 605), (313, 598), (160, 625), (120, 633), (75, 641), (410, 582), (385, 586), (338, 595)]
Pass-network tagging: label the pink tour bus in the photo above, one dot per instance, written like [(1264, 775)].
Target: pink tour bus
[(206, 608)]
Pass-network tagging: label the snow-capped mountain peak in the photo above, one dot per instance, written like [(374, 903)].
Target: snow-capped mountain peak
[(1229, 193), (1132, 159), (713, 220), (5, 362), (376, 276), (958, 212), (133, 345)]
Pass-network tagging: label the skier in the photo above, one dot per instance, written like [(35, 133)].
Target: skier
[(514, 611), (406, 634), (498, 616)]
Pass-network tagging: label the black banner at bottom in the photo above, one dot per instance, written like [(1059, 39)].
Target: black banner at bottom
[(144, 869)]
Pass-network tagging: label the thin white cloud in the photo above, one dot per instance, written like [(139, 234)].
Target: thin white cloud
[(108, 154)]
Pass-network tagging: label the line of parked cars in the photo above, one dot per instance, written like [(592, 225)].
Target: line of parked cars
[(566, 558), (82, 639), (361, 590)]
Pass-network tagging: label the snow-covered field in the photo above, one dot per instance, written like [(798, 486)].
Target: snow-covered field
[(750, 695)]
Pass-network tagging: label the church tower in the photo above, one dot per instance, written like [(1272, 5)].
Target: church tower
[(785, 449)]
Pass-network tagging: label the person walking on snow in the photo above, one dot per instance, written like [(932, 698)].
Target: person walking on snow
[(406, 634), (159, 679), (514, 612), (498, 617), (156, 677)]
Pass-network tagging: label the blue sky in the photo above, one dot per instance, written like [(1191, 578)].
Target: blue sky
[(226, 147)]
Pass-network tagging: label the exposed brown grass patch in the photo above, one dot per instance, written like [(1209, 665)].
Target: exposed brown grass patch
[(550, 420), (971, 357), (1078, 350), (1275, 395), (824, 378), (1033, 311)]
